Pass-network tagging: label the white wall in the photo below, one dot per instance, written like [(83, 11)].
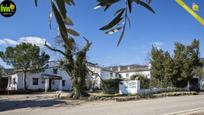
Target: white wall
[(107, 75), (20, 82), (66, 77), (29, 81), (41, 81), (104, 74), (11, 84), (129, 87), (145, 73)]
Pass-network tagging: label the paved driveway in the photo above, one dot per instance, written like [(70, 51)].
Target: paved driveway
[(143, 107)]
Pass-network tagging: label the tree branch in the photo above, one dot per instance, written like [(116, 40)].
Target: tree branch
[(53, 49)]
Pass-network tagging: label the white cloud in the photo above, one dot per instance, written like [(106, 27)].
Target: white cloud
[(158, 45), (33, 40), (30, 39), (8, 42)]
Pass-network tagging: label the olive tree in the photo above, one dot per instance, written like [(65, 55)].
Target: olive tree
[(75, 61)]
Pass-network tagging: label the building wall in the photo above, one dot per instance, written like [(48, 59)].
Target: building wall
[(19, 81), (98, 71), (127, 75), (66, 77), (12, 82), (29, 81)]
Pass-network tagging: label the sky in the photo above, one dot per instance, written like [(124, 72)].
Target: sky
[(170, 24)]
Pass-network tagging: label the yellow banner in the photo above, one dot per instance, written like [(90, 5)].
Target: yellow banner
[(189, 10)]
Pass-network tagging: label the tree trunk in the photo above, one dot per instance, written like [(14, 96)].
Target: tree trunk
[(76, 94), (25, 76), (78, 91)]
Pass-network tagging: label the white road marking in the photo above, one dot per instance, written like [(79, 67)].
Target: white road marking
[(185, 111)]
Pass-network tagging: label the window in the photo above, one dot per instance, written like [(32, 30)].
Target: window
[(54, 71), (111, 74), (127, 75), (35, 81), (14, 80), (120, 76), (43, 81), (63, 83)]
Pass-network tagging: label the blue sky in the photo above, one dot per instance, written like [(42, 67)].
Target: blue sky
[(170, 24)]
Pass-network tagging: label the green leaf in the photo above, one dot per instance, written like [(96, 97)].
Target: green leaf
[(115, 21), (72, 32), (62, 27), (121, 36), (129, 23), (68, 2), (108, 6), (73, 3), (144, 5), (112, 31), (61, 6), (130, 5), (36, 2), (108, 2), (149, 1), (68, 21), (119, 11)]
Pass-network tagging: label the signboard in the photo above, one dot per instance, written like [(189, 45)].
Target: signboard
[(129, 87)]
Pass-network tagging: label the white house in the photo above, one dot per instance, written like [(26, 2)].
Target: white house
[(127, 71), (55, 78), (98, 73), (52, 78)]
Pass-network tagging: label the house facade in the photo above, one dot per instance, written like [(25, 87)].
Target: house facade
[(52, 78), (126, 71), (55, 78), (98, 73)]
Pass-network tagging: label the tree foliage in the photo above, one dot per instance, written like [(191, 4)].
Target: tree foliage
[(168, 70), (157, 59), (75, 61), (75, 64), (25, 57), (144, 81), (121, 19), (186, 60), (178, 69), (110, 86), (119, 22)]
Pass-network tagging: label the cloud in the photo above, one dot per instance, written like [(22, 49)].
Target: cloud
[(33, 40), (158, 45), (8, 42), (30, 39)]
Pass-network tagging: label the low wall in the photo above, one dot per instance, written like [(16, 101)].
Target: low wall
[(129, 87), (159, 90)]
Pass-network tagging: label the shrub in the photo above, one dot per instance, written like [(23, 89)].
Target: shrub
[(144, 82), (110, 86)]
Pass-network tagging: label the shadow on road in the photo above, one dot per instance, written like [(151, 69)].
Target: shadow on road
[(6, 105)]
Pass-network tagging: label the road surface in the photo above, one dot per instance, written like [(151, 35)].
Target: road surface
[(159, 106)]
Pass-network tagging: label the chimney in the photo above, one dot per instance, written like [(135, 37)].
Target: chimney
[(149, 66), (119, 68), (128, 67)]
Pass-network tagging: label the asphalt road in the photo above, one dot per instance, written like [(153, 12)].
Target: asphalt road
[(158, 106)]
